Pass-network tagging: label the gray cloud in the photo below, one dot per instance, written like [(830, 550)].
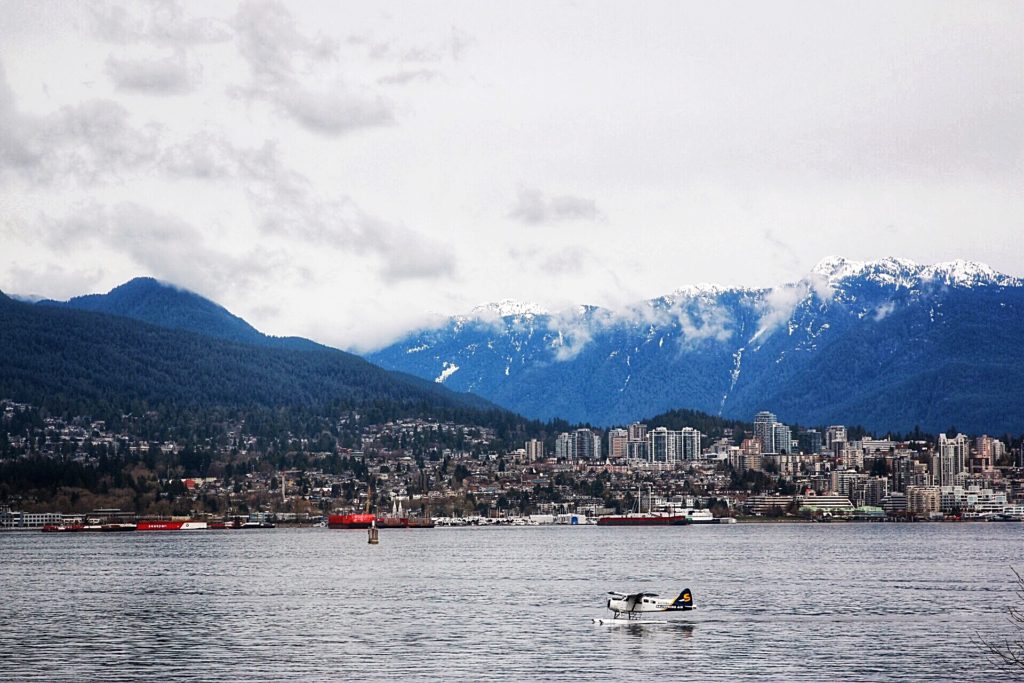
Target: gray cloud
[(164, 23), (163, 246), (405, 77), (168, 75), (533, 207), (284, 202), (334, 113), (404, 254), (453, 47), (89, 142), (277, 53), (271, 44), (58, 281)]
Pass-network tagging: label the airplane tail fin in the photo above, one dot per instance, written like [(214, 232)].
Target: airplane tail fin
[(685, 600)]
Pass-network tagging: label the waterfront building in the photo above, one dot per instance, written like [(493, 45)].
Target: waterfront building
[(972, 499), (765, 504), (923, 500), (894, 503), (825, 503)]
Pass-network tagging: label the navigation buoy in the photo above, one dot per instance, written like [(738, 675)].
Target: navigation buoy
[(373, 532)]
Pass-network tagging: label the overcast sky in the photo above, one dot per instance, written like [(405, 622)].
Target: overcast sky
[(347, 171)]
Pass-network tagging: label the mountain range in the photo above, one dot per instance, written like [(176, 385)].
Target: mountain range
[(146, 344), (887, 344)]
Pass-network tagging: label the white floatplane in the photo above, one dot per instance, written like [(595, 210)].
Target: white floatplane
[(629, 608)]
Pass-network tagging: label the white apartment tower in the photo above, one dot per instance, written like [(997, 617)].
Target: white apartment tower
[(764, 429)]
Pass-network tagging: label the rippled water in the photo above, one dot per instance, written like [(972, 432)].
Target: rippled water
[(775, 602)]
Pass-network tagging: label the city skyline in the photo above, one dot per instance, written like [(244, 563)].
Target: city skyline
[(348, 173)]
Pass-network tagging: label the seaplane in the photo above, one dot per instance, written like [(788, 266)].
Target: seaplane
[(629, 608)]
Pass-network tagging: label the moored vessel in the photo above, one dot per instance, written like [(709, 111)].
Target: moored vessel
[(353, 520), (668, 517), (158, 525), (405, 522), (643, 519)]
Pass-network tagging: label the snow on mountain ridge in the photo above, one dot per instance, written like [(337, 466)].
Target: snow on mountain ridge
[(906, 273), (509, 307), (962, 273)]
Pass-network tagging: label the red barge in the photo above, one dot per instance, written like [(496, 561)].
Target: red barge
[(642, 519), (356, 520), (405, 522), (636, 517), (185, 525)]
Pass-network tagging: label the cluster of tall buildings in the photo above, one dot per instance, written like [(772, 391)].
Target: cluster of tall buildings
[(635, 443), (772, 447), (660, 445), (581, 444)]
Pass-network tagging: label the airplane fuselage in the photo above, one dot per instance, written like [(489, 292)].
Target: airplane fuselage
[(638, 603)]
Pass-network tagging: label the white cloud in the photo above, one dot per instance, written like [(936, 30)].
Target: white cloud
[(370, 156), (168, 75), (336, 111), (533, 206), (883, 311)]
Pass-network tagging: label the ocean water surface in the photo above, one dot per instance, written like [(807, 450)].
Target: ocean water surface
[(848, 602)]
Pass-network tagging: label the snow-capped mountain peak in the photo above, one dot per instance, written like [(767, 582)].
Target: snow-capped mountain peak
[(509, 307), (888, 271), (902, 272), (960, 273)]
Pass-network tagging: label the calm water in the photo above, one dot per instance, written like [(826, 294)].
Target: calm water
[(775, 602)]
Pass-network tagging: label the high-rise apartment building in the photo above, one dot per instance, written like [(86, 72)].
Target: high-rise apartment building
[(958, 448), (690, 443), (617, 440), (663, 445), (637, 431), (584, 445), (534, 450), (833, 435), (783, 438), (809, 441), (764, 429), (562, 444)]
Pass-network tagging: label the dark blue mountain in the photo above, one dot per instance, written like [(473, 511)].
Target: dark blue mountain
[(90, 363), (152, 301), (889, 345)]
